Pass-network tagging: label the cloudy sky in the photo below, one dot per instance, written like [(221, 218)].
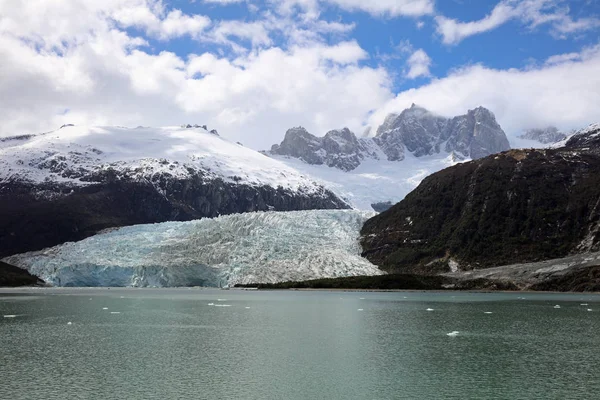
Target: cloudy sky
[(251, 69)]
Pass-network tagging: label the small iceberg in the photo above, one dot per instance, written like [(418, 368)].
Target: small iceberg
[(453, 333), (429, 309), (557, 306)]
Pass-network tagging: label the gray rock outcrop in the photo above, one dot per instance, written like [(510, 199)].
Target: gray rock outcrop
[(547, 135)]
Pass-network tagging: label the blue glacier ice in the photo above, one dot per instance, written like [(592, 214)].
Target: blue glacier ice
[(243, 248)]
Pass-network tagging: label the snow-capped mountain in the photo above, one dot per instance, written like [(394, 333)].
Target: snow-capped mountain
[(415, 130), (70, 183), (80, 156), (255, 247), (406, 148), (547, 135)]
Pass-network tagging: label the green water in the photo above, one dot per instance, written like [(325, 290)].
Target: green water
[(170, 344)]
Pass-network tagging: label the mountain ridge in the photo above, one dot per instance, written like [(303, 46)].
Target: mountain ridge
[(517, 206), (416, 130)]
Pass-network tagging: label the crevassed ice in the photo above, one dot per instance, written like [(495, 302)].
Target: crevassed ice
[(241, 248)]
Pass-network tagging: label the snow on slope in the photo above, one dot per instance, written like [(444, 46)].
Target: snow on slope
[(374, 180), (73, 153), (241, 248)]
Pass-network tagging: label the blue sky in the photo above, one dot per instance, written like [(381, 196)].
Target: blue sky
[(513, 44), (252, 69)]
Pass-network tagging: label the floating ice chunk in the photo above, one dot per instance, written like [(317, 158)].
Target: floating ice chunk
[(557, 306), (10, 316), (429, 309), (453, 333), (115, 312)]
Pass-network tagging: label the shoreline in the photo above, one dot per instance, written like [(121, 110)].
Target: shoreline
[(8, 289)]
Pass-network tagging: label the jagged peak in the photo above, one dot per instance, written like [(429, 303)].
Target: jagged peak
[(298, 131), (481, 111), (343, 133)]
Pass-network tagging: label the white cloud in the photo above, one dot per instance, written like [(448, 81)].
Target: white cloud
[(223, 1), (454, 31), (101, 75), (566, 94), (256, 32), (394, 8), (177, 24), (531, 13), (418, 65)]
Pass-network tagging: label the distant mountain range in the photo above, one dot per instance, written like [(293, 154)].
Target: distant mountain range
[(415, 130)]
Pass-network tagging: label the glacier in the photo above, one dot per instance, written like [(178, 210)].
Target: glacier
[(260, 247)]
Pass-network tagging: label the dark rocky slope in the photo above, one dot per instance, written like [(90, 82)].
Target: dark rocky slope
[(513, 207), (11, 276), (34, 216)]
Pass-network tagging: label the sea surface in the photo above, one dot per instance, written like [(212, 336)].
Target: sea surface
[(217, 344)]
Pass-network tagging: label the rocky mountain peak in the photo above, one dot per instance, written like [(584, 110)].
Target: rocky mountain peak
[(547, 135), (416, 130), (587, 138), (339, 148)]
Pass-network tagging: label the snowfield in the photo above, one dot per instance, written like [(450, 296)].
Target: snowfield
[(74, 154), (240, 248), (374, 180)]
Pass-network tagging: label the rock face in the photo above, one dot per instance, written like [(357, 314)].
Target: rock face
[(416, 130), (514, 207), (11, 276), (338, 148), (72, 183), (547, 135)]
